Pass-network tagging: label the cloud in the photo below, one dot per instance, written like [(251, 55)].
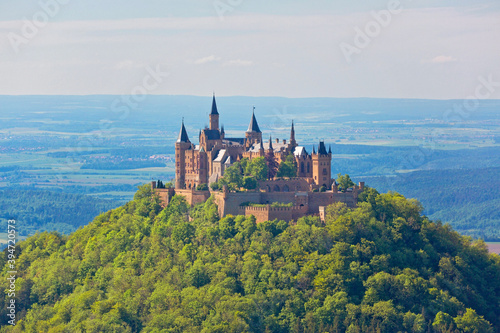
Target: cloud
[(207, 60), (239, 63), (442, 59)]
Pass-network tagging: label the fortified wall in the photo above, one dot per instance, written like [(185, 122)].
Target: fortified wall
[(294, 191)]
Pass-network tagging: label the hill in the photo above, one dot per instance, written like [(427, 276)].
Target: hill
[(382, 267), (465, 198)]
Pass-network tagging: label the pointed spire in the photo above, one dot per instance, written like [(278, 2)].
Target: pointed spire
[(261, 145), (330, 149), (222, 130), (314, 150), (270, 143), (183, 137), (214, 106), (292, 134), (253, 127), (322, 148)]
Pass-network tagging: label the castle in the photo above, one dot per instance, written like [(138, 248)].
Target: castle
[(289, 199)]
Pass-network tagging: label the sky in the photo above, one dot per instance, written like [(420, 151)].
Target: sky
[(383, 49)]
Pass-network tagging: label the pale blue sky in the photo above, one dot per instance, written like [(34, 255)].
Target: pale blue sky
[(429, 49)]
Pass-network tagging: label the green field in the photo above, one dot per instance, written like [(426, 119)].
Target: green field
[(494, 247)]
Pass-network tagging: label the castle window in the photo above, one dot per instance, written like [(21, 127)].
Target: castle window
[(302, 167), (308, 168), (286, 188), (276, 188), (324, 172)]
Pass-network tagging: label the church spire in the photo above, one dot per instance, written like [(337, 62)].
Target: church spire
[(253, 127), (183, 136), (292, 135), (330, 149), (271, 143), (214, 106)]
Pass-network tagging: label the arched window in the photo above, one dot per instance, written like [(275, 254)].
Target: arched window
[(302, 167), (286, 188), (308, 167), (324, 172), (268, 188), (276, 188)]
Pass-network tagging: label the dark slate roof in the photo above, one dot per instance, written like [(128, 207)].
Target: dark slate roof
[(322, 148), (214, 106), (240, 141), (211, 134), (183, 136), (253, 127)]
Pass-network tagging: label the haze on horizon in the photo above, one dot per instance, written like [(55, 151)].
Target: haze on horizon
[(251, 48)]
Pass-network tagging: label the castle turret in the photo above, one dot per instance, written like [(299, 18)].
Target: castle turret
[(214, 116), (181, 146), (322, 166), (253, 133)]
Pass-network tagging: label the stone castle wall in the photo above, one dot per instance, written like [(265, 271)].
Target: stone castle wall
[(229, 203)]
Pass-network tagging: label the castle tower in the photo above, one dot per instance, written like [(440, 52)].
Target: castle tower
[(322, 166), (253, 134), (214, 116), (181, 146)]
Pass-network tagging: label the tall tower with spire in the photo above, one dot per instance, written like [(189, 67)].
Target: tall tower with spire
[(214, 116), (181, 145), (253, 133)]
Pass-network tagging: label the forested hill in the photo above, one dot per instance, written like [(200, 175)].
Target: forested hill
[(382, 267)]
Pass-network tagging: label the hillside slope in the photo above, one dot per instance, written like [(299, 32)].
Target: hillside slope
[(381, 267)]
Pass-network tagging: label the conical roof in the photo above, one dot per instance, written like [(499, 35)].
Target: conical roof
[(214, 107), (183, 136), (322, 148), (253, 127)]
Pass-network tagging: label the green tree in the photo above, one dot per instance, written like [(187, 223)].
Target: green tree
[(233, 177), (344, 182), (288, 167), (471, 322), (257, 168), (249, 183), (202, 187)]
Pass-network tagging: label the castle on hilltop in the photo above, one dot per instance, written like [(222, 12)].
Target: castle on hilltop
[(308, 193)]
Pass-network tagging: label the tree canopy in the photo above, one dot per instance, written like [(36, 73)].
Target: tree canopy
[(344, 182), (381, 267), (288, 167)]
